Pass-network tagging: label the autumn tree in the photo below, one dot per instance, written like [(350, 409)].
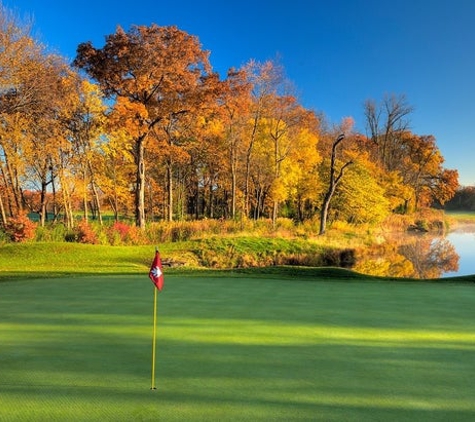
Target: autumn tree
[(335, 169), (236, 102), (18, 51), (265, 79), (283, 132), (210, 168), (361, 198), (82, 119), (152, 73), (413, 160), (445, 186), (386, 123), (423, 170), (115, 172), (261, 174), (28, 109), (300, 172), (336, 172), (198, 149)]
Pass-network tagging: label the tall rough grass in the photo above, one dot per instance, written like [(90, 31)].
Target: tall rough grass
[(121, 233)]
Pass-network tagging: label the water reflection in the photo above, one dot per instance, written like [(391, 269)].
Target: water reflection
[(464, 241), (431, 258), (410, 256)]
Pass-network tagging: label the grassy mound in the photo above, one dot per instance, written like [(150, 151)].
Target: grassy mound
[(55, 258)]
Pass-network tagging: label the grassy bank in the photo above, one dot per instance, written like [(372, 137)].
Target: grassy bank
[(207, 244), (57, 258), (236, 347), (43, 258)]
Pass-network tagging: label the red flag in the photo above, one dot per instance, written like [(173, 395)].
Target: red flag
[(156, 273)]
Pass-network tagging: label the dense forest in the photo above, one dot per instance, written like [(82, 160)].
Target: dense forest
[(143, 127)]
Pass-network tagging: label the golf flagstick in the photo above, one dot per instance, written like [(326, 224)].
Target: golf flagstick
[(154, 337), (156, 275)]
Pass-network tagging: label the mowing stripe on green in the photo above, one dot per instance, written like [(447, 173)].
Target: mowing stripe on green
[(236, 348)]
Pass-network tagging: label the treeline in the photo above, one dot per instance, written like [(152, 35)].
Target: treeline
[(143, 127), (463, 200)]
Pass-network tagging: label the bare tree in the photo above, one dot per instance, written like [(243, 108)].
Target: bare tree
[(335, 179), (385, 125)]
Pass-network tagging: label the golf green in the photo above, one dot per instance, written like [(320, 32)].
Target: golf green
[(236, 348)]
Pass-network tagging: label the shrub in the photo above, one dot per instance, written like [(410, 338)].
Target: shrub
[(20, 228), (118, 232), (122, 233), (3, 236), (181, 232), (71, 236), (85, 233), (157, 232), (52, 232)]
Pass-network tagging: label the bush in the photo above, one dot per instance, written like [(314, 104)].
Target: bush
[(181, 232), (3, 236), (85, 233), (117, 233), (52, 232), (20, 229), (121, 233)]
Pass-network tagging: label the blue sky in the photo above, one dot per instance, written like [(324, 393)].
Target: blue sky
[(338, 53)]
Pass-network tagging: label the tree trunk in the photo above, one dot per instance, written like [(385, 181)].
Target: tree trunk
[(233, 184), (140, 183), (334, 181), (324, 212), (55, 199), (13, 182), (95, 193), (84, 199), (114, 201), (2, 212), (43, 204), (275, 210), (247, 194), (97, 201), (66, 203), (170, 191)]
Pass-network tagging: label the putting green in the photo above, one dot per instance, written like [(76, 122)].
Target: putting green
[(236, 348)]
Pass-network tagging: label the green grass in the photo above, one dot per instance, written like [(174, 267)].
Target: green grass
[(49, 259), (461, 216), (232, 347), (58, 258)]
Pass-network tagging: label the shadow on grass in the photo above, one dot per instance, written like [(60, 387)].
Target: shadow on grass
[(254, 382), (232, 348)]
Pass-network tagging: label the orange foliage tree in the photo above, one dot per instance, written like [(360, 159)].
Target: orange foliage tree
[(162, 136), (153, 73)]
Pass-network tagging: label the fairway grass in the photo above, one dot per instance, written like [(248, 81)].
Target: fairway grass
[(236, 348)]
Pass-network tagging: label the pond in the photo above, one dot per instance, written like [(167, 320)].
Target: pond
[(422, 255), (463, 240)]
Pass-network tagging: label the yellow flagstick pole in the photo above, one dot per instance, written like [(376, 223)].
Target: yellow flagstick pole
[(154, 341)]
